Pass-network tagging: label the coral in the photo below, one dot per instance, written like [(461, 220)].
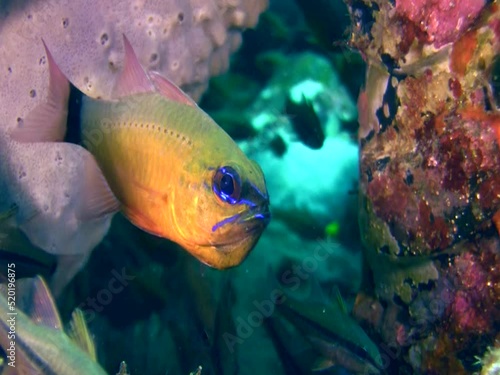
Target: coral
[(429, 188), (45, 181), (439, 21), (187, 41)]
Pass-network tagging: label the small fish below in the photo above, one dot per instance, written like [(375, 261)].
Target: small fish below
[(39, 344), (162, 161), (305, 122)]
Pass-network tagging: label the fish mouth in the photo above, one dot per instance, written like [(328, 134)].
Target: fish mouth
[(237, 236), (255, 218), (246, 228)]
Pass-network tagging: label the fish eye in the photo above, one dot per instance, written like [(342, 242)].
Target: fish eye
[(227, 185)]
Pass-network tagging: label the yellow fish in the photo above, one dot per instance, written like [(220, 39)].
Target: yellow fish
[(172, 170)]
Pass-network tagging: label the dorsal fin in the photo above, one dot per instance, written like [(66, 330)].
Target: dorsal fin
[(133, 78), (80, 334), (169, 89), (43, 309), (47, 122)]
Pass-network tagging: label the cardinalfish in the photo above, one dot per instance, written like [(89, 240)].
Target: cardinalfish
[(163, 162)]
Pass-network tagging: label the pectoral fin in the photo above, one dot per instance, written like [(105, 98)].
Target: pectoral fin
[(80, 334), (142, 221), (47, 122), (97, 199)]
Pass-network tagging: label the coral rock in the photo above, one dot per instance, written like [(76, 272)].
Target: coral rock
[(187, 41), (429, 189), (440, 21)]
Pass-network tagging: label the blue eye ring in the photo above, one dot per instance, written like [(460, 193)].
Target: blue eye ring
[(227, 185)]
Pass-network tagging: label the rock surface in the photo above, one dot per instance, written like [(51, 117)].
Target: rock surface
[(429, 180)]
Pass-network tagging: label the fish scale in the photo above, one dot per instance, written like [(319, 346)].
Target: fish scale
[(152, 149)]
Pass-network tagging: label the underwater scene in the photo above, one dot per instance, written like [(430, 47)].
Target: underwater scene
[(237, 187)]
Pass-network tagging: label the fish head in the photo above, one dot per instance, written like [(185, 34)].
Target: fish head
[(227, 213)]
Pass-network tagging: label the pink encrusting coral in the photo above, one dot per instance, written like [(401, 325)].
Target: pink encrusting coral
[(430, 178), (440, 21), (474, 308)]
